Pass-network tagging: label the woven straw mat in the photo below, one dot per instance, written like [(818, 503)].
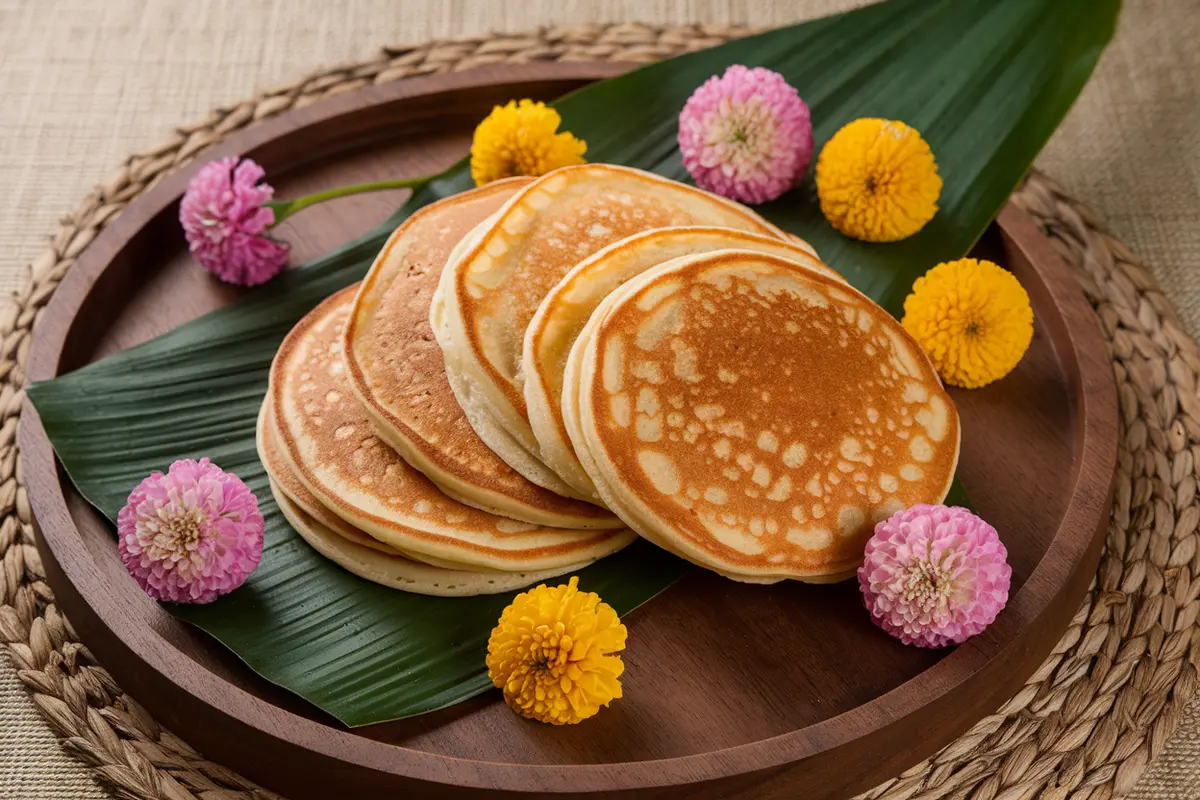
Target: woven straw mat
[(1086, 724)]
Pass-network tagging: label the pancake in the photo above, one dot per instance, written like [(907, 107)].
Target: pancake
[(397, 372), (464, 389), (397, 571), (283, 479), (566, 308), (491, 288), (754, 417), (328, 442), (343, 544), (270, 453)]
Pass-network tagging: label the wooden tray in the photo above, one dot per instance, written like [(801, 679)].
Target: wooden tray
[(731, 690)]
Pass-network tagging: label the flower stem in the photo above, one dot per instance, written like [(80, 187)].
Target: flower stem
[(285, 208)]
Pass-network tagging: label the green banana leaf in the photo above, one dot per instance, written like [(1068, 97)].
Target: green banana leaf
[(985, 81)]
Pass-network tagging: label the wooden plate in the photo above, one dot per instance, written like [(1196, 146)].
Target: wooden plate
[(730, 689)]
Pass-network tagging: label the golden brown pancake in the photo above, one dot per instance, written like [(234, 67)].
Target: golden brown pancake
[(491, 289), (270, 453), (566, 308), (362, 555), (397, 372), (396, 571), (283, 479), (754, 417), (330, 445)]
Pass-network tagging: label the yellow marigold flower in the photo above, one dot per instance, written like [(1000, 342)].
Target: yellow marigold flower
[(877, 180), (520, 139), (552, 654), (973, 318)]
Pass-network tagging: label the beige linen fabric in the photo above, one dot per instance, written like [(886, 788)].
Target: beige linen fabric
[(84, 83)]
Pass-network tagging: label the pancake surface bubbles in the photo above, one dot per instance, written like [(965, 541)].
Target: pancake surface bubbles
[(755, 418), (327, 440), (397, 370), (491, 292), (566, 308)]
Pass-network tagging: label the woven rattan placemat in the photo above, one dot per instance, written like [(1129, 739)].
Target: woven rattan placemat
[(1086, 724)]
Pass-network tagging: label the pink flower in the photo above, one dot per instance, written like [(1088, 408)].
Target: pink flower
[(191, 535), (934, 575), (746, 135), (225, 222)]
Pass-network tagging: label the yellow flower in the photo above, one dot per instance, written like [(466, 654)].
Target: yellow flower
[(877, 180), (973, 318), (552, 654), (520, 139)]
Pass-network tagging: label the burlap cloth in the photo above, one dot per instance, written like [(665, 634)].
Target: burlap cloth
[(83, 84)]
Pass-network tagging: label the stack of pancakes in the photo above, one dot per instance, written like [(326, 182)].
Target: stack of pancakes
[(373, 462), (532, 366)]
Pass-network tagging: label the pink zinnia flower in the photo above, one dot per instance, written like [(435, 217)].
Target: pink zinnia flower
[(191, 535), (934, 575), (225, 221), (746, 135)]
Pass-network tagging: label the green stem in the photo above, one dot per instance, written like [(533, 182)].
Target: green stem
[(285, 208)]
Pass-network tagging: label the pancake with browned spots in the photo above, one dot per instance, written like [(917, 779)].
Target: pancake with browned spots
[(395, 368), (330, 445), (754, 417), (283, 479), (396, 571), (270, 452), (566, 308), (492, 287), (361, 554)]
